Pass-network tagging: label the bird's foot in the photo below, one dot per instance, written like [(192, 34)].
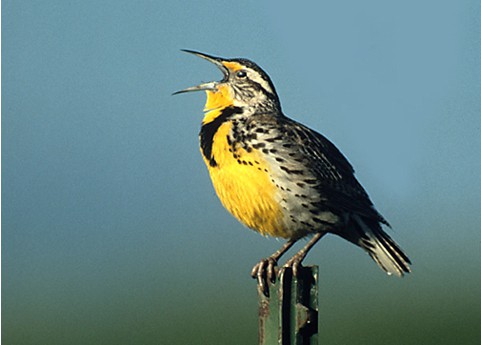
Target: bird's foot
[(265, 273), (295, 263)]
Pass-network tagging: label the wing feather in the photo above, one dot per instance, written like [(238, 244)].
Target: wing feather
[(335, 175)]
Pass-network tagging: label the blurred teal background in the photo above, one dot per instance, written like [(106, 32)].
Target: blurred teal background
[(112, 233)]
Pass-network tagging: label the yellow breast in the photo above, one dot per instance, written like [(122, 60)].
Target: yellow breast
[(242, 182)]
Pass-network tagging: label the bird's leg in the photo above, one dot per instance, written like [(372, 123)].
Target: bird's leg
[(265, 271), (296, 261)]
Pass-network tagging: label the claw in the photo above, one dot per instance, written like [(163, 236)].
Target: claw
[(265, 272), (271, 271), (255, 269), (295, 263), (263, 285), (296, 267)]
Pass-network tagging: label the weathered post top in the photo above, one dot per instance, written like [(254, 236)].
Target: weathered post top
[(289, 316)]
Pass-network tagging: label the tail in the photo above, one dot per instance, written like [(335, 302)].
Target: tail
[(380, 247)]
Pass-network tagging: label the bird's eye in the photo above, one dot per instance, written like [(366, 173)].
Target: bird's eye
[(241, 74)]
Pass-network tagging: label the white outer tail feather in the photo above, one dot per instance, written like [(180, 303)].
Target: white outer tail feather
[(382, 249)]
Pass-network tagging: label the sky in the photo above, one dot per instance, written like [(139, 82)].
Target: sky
[(111, 230)]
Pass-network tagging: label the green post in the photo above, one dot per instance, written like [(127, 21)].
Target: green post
[(289, 316)]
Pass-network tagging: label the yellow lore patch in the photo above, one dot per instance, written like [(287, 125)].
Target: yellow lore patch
[(233, 66)]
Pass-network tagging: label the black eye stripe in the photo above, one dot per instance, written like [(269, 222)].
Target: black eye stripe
[(259, 87)]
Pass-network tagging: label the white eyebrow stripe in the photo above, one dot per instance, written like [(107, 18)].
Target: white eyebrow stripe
[(255, 76)]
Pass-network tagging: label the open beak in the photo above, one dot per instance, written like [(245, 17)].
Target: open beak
[(211, 86)]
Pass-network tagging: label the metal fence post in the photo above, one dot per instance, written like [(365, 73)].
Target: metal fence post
[(289, 316)]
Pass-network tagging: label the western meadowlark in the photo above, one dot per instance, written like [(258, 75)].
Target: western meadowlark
[(279, 177)]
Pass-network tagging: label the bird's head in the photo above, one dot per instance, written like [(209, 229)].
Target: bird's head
[(244, 85)]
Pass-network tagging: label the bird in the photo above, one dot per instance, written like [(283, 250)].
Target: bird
[(281, 178)]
